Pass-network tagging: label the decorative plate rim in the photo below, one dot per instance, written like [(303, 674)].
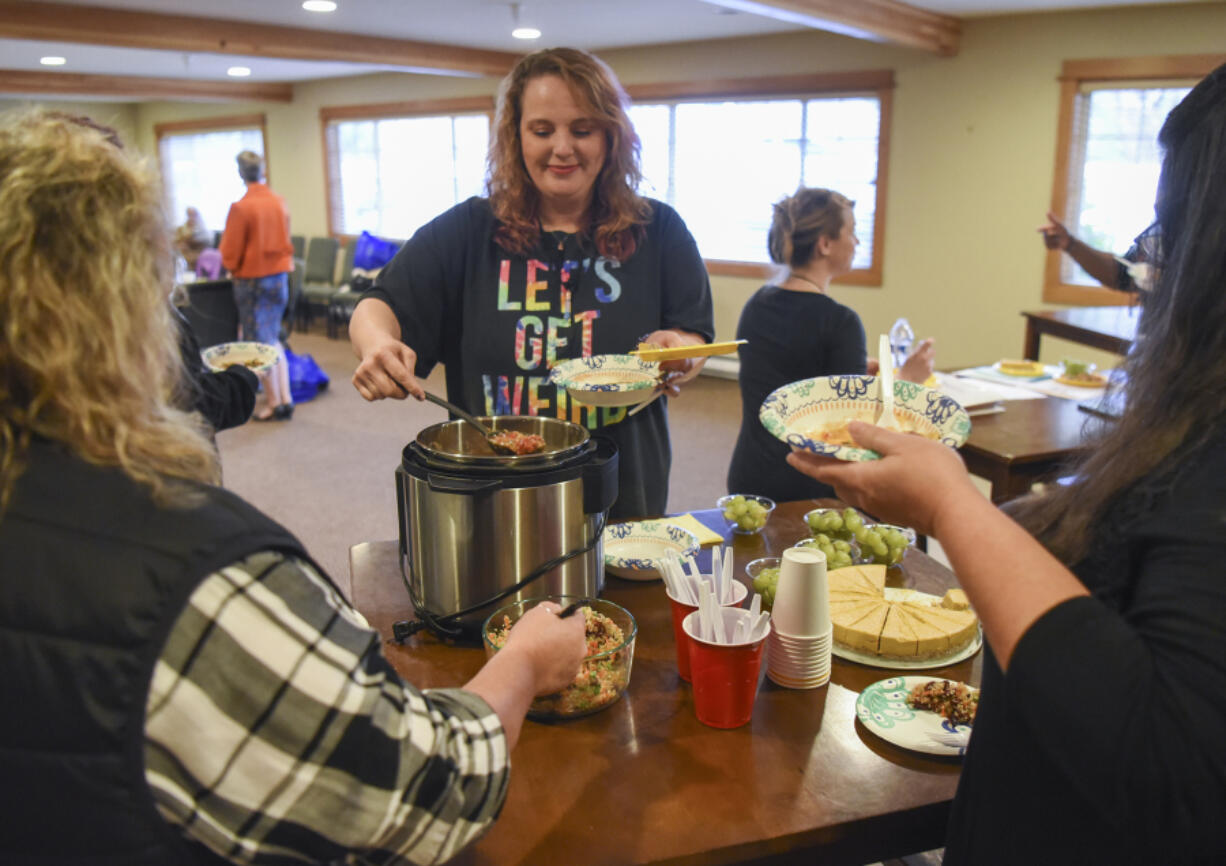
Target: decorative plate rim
[(904, 725), (563, 372), (660, 529), (208, 355), (857, 390)]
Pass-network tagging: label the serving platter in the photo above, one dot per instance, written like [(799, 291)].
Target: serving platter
[(795, 412), (636, 550), (256, 357), (607, 380), (883, 709), (894, 593)]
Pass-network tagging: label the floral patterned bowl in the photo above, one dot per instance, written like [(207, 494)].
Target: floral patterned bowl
[(256, 357), (637, 550), (798, 413), (607, 380)]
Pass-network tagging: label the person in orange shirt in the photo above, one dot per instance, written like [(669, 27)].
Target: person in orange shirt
[(256, 250)]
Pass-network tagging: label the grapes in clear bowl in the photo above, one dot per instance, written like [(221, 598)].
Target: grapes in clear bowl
[(840, 553), (745, 513), (883, 543), (764, 574), (834, 523)]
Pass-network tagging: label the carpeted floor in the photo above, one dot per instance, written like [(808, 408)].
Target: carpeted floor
[(327, 474)]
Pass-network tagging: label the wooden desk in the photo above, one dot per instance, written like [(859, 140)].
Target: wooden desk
[(1111, 329), (645, 782), (1028, 442)]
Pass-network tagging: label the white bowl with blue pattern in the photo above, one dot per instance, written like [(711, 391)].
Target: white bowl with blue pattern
[(607, 380), (256, 357), (796, 412), (638, 549)]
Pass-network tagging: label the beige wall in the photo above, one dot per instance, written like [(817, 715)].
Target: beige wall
[(971, 162), (120, 116)]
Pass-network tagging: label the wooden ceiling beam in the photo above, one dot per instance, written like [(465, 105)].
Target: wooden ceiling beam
[(91, 25), (885, 21), (134, 87)]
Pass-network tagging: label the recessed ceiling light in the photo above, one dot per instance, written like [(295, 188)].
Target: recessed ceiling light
[(526, 33), (53, 61), (319, 6), (238, 72)]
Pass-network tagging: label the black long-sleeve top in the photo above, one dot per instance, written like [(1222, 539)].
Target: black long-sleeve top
[(1106, 740)]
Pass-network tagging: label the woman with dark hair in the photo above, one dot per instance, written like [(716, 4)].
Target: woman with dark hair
[(1100, 732), (564, 259), (795, 330), (180, 682)]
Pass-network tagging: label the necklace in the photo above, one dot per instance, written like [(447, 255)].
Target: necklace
[(792, 275)]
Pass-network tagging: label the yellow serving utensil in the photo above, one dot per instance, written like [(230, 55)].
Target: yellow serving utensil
[(659, 353)]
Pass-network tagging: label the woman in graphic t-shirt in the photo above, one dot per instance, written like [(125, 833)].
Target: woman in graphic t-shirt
[(564, 259)]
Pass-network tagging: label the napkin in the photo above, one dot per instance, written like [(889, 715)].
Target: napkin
[(704, 535)]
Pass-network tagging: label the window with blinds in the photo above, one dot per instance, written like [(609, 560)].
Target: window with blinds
[(390, 175), (723, 162), (1115, 161), (199, 167)]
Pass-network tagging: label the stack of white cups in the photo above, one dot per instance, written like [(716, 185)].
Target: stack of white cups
[(798, 649)]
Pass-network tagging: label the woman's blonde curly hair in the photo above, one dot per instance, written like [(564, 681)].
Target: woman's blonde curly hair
[(89, 356), (618, 213)]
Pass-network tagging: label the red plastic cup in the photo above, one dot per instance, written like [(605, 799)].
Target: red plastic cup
[(680, 611), (724, 676)]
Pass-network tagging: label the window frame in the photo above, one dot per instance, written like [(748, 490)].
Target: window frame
[(1075, 74), (878, 83), (204, 125), (383, 111)]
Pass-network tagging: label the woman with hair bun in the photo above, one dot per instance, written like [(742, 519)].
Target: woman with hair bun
[(795, 331), (564, 259)]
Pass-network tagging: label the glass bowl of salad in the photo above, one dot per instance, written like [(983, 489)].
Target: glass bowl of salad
[(605, 672)]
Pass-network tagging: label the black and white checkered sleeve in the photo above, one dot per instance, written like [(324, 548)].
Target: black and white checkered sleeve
[(277, 730)]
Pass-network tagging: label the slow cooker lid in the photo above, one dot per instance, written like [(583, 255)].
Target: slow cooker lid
[(458, 442)]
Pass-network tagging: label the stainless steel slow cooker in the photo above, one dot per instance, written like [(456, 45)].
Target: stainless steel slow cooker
[(479, 530)]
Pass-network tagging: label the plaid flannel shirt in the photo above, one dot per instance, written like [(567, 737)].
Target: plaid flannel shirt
[(277, 731)]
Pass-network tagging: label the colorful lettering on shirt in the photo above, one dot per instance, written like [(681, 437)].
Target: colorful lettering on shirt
[(585, 320), (613, 290), (504, 287), (554, 340), (532, 361), (535, 285)]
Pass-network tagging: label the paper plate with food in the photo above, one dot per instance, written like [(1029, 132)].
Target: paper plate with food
[(814, 414), (923, 714), (257, 357), (1080, 374), (607, 380), (1021, 369)]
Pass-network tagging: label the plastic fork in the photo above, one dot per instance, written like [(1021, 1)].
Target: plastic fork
[(885, 379)]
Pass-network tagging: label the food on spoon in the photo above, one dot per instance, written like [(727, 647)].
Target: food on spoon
[(602, 676), (954, 701), (518, 443)]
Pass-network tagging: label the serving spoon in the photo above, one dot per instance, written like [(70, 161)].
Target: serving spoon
[(496, 447)]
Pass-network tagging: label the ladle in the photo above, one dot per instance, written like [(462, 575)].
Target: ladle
[(496, 447)]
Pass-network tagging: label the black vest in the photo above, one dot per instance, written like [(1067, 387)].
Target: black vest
[(92, 577)]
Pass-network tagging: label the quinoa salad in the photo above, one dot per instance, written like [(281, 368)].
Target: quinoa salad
[(957, 702), (602, 676)]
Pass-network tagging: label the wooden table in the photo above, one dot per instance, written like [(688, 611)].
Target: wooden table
[(1028, 442), (645, 782), (1111, 329)]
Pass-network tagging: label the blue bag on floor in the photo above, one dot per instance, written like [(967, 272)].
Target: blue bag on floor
[(306, 379), (371, 253)]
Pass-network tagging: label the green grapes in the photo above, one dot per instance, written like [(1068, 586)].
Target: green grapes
[(838, 552), (877, 543), (765, 585), (747, 514)]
